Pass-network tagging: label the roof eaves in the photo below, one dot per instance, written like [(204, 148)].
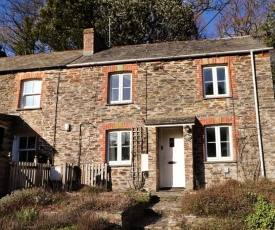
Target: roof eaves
[(32, 69), (167, 58)]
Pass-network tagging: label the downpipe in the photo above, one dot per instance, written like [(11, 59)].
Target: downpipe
[(258, 124)]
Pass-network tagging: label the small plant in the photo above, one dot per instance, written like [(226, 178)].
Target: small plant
[(142, 198), (26, 215), (263, 216), (93, 190), (137, 196), (92, 222)]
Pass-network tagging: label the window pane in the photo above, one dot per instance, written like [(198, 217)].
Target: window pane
[(112, 139), (210, 132), (225, 149), (125, 153), (113, 154), (31, 155), (23, 156), (207, 74), (126, 80), (28, 101), (209, 88), (221, 74), (36, 101), (28, 87), (31, 142), (126, 94), (125, 138), (114, 83), (211, 150), (224, 132), (114, 95), (23, 142), (37, 87), (221, 88)]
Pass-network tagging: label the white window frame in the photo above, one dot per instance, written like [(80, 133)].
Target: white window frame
[(217, 142), (16, 150), (119, 161), (120, 88), (215, 82), (35, 93)]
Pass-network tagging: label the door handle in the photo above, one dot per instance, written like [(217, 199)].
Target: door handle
[(172, 162)]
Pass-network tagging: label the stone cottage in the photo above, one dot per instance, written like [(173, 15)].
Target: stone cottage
[(180, 114)]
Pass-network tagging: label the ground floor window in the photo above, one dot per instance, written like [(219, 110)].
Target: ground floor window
[(24, 148), (218, 142), (119, 147)]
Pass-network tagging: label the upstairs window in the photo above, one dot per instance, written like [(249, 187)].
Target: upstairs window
[(120, 88), (218, 143), (31, 94), (119, 148), (215, 81)]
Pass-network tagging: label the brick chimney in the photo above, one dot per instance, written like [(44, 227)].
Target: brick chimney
[(88, 41), (92, 42)]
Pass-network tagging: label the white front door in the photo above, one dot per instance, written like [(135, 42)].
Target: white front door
[(171, 157)]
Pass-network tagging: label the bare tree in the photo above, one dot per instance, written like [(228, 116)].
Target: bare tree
[(242, 17), (17, 20)]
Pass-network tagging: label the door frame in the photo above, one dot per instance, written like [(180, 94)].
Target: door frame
[(159, 139)]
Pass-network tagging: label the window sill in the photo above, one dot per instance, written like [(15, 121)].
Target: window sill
[(220, 162), (23, 109), (119, 104), (216, 97)]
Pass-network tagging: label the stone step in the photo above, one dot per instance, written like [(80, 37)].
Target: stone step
[(159, 223), (164, 211)]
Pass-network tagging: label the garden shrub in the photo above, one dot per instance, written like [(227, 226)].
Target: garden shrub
[(220, 200), (263, 216)]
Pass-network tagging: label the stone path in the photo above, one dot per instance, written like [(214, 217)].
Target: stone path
[(164, 212)]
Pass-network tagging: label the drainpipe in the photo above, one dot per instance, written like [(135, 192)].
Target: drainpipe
[(260, 142), (55, 117)]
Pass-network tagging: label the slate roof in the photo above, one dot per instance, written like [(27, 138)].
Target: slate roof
[(38, 61), (133, 53)]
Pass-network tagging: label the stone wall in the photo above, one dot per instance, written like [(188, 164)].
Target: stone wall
[(78, 96)]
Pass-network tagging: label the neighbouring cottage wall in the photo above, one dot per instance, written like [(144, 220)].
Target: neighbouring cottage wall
[(7, 88), (80, 96), (267, 111)]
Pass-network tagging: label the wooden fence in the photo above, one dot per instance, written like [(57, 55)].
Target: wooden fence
[(28, 174), (4, 173), (95, 175)]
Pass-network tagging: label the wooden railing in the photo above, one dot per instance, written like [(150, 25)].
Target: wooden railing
[(95, 175), (28, 174)]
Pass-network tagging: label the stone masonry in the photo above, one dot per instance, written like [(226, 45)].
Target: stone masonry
[(80, 95)]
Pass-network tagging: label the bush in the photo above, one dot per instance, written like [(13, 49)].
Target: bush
[(91, 222), (234, 205), (263, 216), (26, 215), (222, 201)]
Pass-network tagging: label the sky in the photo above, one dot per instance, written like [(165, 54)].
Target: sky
[(210, 29)]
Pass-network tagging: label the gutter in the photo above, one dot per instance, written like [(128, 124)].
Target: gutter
[(165, 58), (260, 141)]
